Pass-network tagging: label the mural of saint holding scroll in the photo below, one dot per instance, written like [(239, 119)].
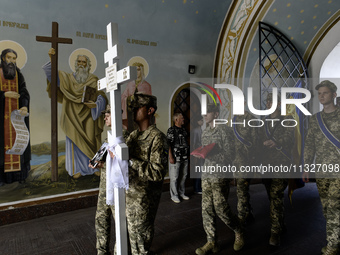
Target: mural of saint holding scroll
[(82, 104), (139, 85), (14, 97)]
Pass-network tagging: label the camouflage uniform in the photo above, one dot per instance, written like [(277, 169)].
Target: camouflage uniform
[(103, 218), (329, 188), (215, 188), (284, 138), (148, 166), (104, 211), (244, 156)]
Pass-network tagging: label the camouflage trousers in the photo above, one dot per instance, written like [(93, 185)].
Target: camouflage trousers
[(215, 193), (275, 190), (329, 191), (141, 208), (103, 218), (243, 197)]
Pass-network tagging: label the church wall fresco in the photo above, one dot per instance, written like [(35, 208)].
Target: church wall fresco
[(159, 37), (214, 36)]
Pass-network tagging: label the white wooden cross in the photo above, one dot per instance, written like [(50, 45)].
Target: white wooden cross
[(111, 84)]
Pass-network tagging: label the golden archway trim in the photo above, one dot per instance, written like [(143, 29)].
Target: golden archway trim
[(239, 27), (233, 45), (319, 36)]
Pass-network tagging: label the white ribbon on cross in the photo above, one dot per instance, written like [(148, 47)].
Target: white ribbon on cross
[(117, 171)]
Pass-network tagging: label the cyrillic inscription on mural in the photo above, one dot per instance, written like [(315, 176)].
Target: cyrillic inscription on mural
[(12, 24), (91, 35), (141, 42)]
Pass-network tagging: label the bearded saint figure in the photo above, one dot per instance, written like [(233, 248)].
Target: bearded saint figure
[(13, 96), (82, 122)]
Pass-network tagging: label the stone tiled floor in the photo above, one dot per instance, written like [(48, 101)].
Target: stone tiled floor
[(179, 228)]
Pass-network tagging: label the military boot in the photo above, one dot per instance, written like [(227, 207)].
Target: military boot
[(239, 241), (274, 239), (330, 251), (208, 247)]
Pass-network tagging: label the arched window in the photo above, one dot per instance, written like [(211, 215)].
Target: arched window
[(281, 65)]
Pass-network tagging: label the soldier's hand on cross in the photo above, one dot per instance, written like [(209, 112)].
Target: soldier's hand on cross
[(111, 154)]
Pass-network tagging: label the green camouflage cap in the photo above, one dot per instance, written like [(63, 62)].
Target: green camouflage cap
[(213, 108), (198, 118), (107, 110), (139, 99), (327, 84)]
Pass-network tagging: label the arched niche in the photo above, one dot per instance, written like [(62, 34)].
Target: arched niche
[(320, 47)]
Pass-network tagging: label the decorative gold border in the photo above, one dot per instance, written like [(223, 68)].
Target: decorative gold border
[(246, 42), (319, 36), (247, 29), (226, 31), (220, 42), (258, 11)]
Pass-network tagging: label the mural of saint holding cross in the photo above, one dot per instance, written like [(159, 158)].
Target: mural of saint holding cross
[(82, 122)]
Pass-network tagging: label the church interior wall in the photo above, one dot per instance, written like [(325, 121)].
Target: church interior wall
[(166, 34), (237, 52), (169, 35)]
